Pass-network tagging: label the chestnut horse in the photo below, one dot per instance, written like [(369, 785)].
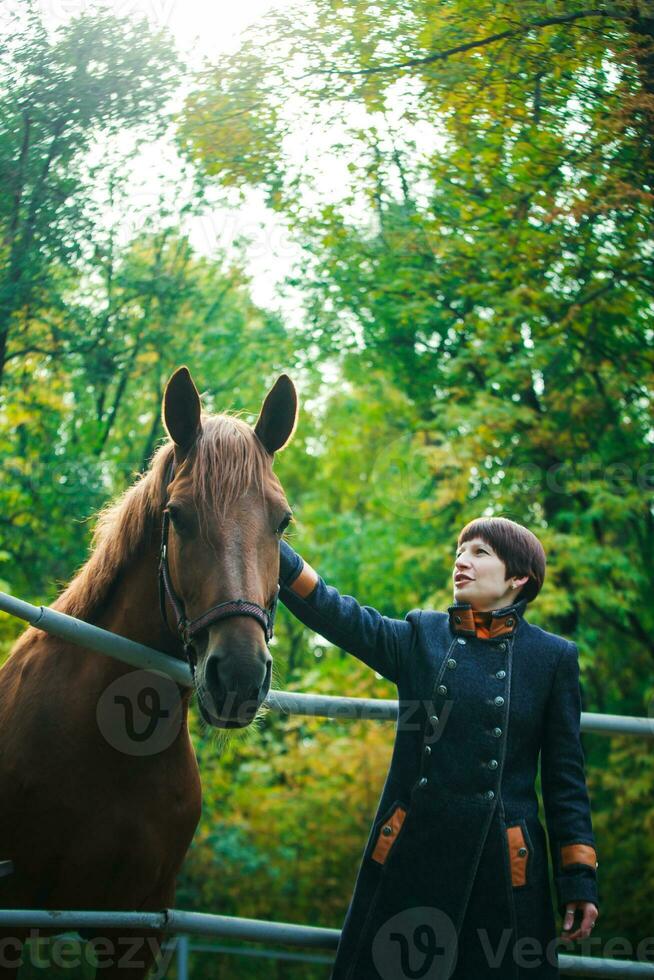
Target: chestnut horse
[(99, 786)]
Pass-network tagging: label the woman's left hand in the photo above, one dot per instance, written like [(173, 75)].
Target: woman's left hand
[(589, 917)]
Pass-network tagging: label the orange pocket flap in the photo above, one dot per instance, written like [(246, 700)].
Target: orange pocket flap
[(518, 855), (388, 835)]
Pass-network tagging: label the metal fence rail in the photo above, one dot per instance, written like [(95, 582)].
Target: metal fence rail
[(255, 930), (175, 921), (313, 705), (252, 952)]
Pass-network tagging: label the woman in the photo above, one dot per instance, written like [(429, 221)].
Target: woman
[(454, 878)]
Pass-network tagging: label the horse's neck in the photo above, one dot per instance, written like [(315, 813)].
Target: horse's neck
[(133, 608)]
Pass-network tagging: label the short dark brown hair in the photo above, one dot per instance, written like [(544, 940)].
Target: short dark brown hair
[(517, 546)]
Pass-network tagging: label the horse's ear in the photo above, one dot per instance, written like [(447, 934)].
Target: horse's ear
[(278, 415), (182, 410)]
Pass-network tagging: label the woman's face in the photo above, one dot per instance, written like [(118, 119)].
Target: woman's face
[(479, 577)]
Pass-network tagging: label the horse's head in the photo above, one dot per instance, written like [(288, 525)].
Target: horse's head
[(227, 512)]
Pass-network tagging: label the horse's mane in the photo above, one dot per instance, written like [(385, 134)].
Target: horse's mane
[(226, 461)]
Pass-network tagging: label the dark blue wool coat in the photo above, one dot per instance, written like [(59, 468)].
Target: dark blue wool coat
[(454, 877)]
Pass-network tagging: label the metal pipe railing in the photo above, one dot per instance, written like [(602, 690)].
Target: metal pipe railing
[(580, 966), (95, 638), (175, 921), (256, 930), (589, 966), (286, 702), (253, 952)]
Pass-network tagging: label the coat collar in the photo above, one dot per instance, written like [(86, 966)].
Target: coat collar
[(498, 622)]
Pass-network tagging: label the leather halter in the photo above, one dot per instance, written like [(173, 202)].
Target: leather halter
[(188, 628)]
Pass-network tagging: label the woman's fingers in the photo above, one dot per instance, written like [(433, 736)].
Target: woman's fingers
[(589, 917)]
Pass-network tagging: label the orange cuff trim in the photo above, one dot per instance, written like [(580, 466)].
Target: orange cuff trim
[(306, 582), (578, 854), (388, 835), (518, 855)]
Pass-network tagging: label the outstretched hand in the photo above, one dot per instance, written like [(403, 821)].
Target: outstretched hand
[(589, 914)]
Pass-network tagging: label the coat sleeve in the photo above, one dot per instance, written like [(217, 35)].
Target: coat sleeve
[(379, 641), (565, 797)]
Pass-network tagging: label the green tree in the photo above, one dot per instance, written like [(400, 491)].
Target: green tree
[(57, 94), (77, 432)]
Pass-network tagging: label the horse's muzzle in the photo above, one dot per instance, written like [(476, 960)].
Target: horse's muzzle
[(233, 682)]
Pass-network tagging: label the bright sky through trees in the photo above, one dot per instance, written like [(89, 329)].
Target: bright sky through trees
[(202, 31)]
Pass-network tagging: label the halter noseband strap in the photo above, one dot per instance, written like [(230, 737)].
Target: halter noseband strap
[(186, 628)]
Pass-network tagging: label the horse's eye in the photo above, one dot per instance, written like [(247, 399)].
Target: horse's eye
[(284, 524), (176, 516)]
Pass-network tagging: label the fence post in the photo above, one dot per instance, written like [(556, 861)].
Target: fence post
[(182, 958)]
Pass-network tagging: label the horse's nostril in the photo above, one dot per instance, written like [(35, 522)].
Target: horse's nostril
[(258, 692), (212, 676)]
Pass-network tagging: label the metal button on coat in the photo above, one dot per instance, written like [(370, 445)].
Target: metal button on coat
[(499, 701), (502, 645), (427, 750), (509, 622), (522, 851), (434, 719), (493, 764), (501, 674), (489, 794), (441, 689), (423, 781), (497, 732), (387, 831), (461, 641), (451, 664)]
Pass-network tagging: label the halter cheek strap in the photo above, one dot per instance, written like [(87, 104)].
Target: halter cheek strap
[(186, 628)]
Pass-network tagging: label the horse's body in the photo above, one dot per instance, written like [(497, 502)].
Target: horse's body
[(87, 824)]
